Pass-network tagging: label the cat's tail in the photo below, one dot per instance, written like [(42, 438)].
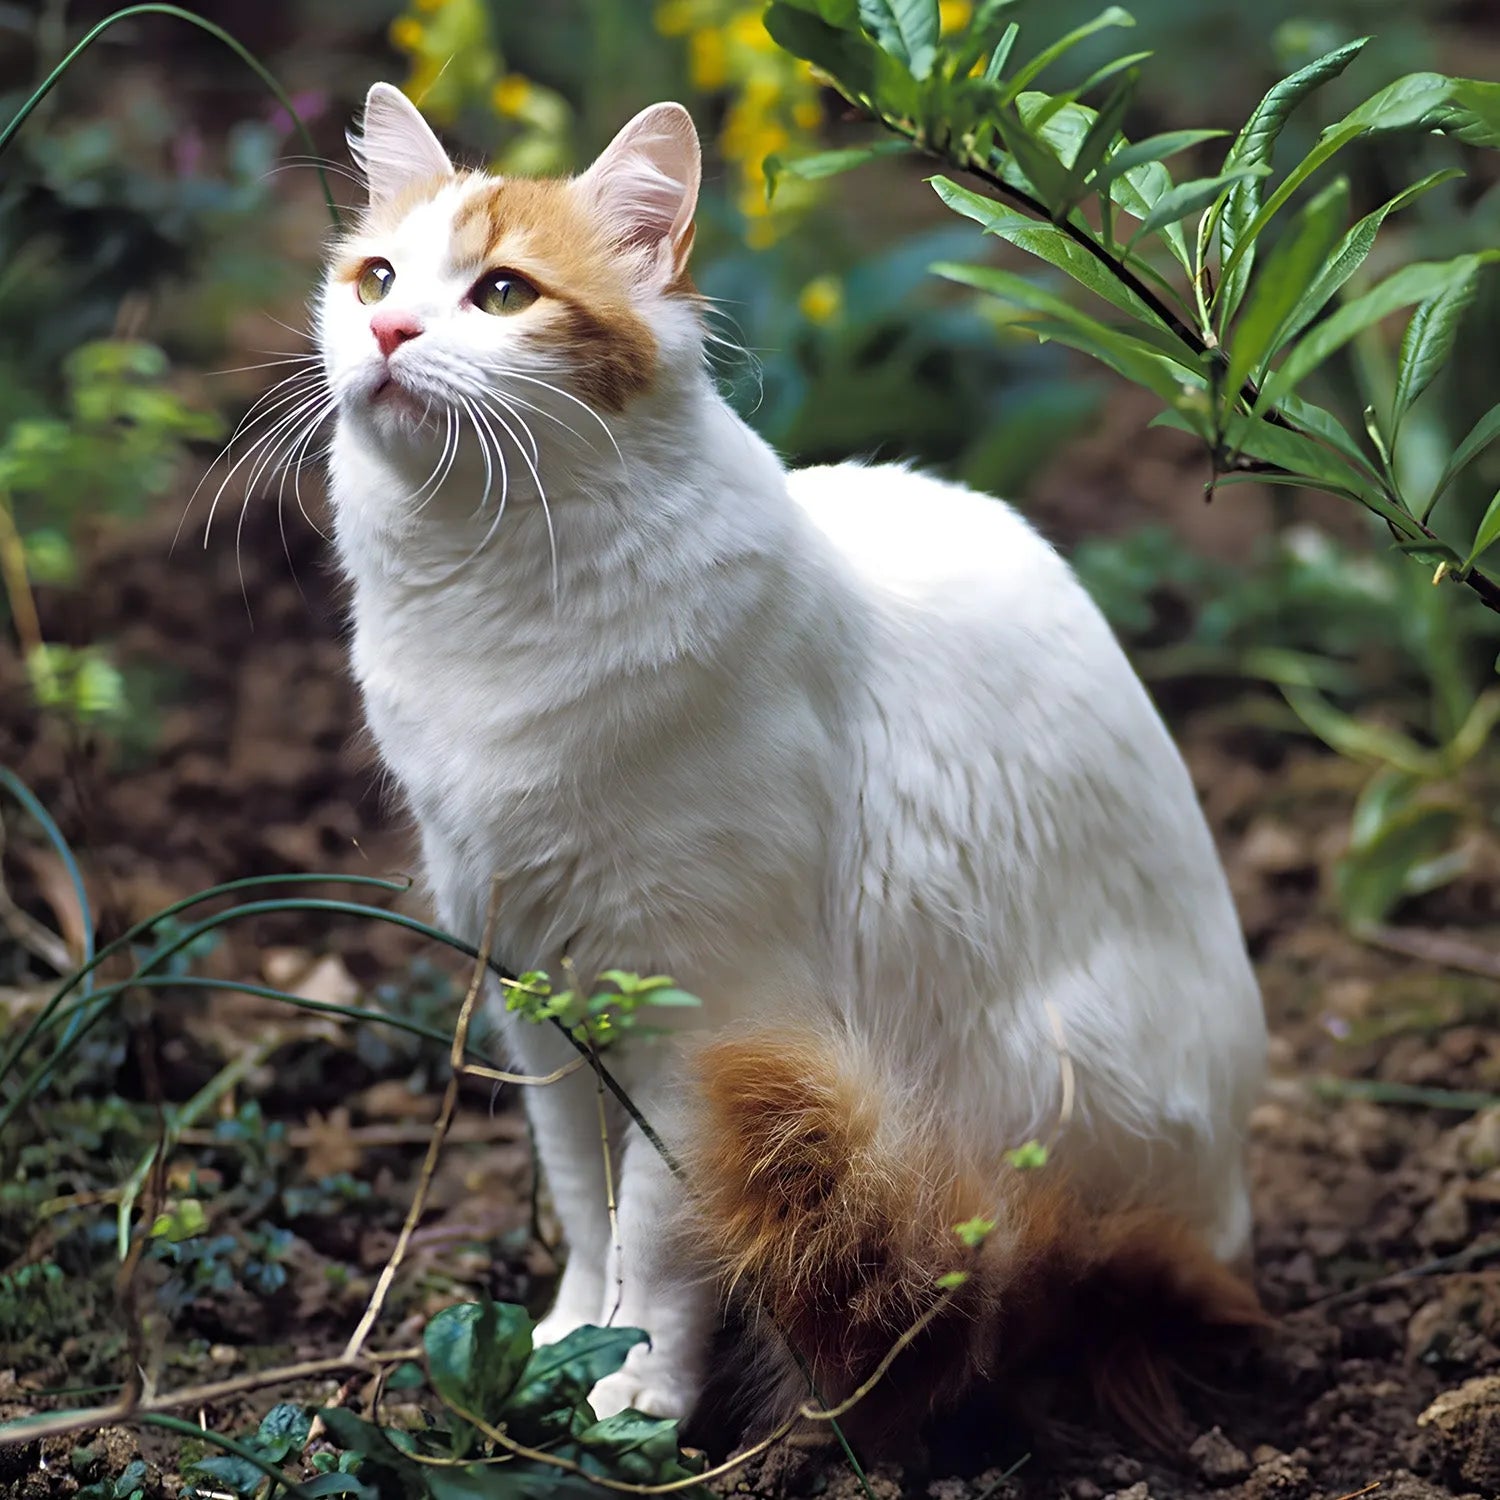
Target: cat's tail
[(830, 1201)]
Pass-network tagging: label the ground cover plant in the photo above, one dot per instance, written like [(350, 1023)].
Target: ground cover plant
[(259, 1214)]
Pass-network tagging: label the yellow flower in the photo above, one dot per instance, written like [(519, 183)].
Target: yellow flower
[(761, 235), (406, 33), (510, 94), (762, 91), (674, 17), (822, 300), (708, 60), (749, 30), (807, 115), (429, 5), (953, 15)]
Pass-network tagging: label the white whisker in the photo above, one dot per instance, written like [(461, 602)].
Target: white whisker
[(295, 397), (541, 490), (568, 396)]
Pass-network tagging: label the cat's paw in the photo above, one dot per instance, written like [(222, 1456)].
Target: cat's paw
[(649, 1383), (559, 1323)]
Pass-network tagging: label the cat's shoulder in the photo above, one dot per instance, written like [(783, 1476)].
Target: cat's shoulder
[(897, 524)]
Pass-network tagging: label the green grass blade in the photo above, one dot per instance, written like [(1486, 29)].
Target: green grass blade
[(176, 12)]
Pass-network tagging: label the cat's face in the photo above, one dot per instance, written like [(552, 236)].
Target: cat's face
[(466, 300)]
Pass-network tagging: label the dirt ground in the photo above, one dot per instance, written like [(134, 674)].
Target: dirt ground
[(1378, 1238)]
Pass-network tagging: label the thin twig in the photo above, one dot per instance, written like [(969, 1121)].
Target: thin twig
[(610, 1203), (439, 1131), (60, 1424), (1466, 1259), (1439, 948)]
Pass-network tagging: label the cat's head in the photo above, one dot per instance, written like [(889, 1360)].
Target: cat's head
[(459, 290)]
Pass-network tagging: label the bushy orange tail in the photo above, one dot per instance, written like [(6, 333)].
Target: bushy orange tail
[(832, 1206)]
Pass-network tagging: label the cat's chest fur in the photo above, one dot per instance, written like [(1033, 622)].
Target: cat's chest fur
[(627, 754)]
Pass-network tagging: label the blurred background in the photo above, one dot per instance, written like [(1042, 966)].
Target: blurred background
[(178, 697)]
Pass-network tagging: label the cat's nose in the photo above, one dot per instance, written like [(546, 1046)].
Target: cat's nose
[(392, 329)]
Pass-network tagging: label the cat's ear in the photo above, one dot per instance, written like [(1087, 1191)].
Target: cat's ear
[(646, 185), (396, 147)]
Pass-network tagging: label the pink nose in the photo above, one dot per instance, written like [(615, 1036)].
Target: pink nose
[(392, 329)]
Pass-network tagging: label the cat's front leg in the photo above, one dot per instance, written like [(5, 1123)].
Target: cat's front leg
[(564, 1120), (653, 1285)]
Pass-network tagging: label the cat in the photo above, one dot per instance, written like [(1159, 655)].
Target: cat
[(847, 751)]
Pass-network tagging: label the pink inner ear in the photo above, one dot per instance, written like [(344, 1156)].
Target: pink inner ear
[(646, 182)]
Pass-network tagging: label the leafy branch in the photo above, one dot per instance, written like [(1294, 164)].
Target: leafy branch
[(1224, 339)]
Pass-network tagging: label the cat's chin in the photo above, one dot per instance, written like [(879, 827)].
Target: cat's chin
[(397, 413)]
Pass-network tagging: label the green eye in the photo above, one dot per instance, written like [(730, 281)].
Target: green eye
[(503, 292), (375, 281)]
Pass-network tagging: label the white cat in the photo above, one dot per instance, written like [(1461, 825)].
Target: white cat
[(848, 752)]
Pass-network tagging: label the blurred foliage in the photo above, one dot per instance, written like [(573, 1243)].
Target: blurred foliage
[(105, 204), (1367, 657)]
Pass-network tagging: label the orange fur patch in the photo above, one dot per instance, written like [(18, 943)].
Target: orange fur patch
[(836, 1218), (541, 228)]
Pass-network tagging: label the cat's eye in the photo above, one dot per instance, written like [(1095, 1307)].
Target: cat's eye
[(375, 280), (502, 293)]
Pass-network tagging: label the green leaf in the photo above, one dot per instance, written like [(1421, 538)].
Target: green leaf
[(1351, 251), (1044, 173), (672, 998), (951, 1280), (1402, 105), (1480, 436), (367, 1440), (338, 1484), (1114, 16), (1328, 145), (1487, 534), (1188, 197), (185, 1221), (972, 1233), (1121, 350), (864, 72), (284, 1430), (1255, 145), (828, 163), (559, 1376), (1001, 55), (476, 1352), (634, 1447), (1405, 104), (1428, 342), (1414, 283), (1372, 878), (1028, 1157), (1323, 424), (1358, 739), (1473, 116), (233, 1474), (1101, 136), (1054, 245), (906, 29), (1301, 455), (983, 32), (1154, 148), (1295, 262)]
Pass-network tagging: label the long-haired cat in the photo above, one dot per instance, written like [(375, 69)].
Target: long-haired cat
[(846, 751)]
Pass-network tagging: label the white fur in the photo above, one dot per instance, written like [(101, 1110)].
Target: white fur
[(848, 744)]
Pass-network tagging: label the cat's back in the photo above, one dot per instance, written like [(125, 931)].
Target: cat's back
[(949, 570)]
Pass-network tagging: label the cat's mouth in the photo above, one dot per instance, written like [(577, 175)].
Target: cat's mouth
[(390, 395)]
